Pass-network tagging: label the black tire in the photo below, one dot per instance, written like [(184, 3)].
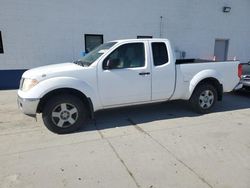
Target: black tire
[(247, 88), (67, 110), (201, 100)]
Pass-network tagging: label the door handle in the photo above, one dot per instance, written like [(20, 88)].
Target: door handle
[(144, 73)]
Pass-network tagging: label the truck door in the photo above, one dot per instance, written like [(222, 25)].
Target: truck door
[(163, 71), (124, 76)]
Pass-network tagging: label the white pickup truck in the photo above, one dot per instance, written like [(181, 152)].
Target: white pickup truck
[(122, 73)]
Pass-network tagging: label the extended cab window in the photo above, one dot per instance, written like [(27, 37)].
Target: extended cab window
[(160, 53), (126, 56)]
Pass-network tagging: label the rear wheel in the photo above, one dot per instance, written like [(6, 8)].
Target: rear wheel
[(64, 114), (203, 98)]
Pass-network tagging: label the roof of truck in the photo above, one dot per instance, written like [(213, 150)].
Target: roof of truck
[(146, 39)]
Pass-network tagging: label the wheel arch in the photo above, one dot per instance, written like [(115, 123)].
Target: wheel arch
[(87, 101), (212, 81)]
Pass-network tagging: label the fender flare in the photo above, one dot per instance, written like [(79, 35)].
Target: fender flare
[(199, 77), (51, 84)]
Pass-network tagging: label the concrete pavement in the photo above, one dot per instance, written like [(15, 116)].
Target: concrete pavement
[(154, 146)]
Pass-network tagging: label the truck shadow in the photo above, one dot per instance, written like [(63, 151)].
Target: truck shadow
[(128, 116)]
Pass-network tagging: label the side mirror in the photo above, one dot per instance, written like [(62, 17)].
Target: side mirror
[(111, 64)]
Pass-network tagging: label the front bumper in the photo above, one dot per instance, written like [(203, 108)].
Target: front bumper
[(246, 81), (238, 86), (28, 106)]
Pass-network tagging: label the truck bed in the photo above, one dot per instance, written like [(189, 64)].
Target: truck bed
[(195, 69)]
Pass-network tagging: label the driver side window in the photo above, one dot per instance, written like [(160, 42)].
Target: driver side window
[(126, 56)]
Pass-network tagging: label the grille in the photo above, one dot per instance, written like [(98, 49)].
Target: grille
[(247, 77)]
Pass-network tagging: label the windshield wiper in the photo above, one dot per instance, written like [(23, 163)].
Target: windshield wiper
[(81, 63)]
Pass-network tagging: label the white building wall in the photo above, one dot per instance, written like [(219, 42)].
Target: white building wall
[(37, 33)]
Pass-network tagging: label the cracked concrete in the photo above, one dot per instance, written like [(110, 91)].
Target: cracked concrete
[(154, 146)]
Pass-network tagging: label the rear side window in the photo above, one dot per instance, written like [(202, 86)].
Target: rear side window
[(160, 53)]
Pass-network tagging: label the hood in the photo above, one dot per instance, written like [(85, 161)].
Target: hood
[(47, 71)]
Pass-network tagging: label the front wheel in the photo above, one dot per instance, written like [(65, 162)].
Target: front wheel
[(203, 98), (64, 114)]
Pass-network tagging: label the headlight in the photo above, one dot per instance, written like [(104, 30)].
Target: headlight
[(28, 84)]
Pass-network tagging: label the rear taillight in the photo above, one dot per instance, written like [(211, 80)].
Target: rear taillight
[(240, 71)]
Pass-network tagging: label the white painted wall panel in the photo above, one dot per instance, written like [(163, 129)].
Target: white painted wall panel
[(37, 33)]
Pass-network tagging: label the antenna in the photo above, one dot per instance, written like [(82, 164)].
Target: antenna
[(161, 26)]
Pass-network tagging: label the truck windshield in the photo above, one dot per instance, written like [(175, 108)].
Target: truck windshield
[(92, 56)]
